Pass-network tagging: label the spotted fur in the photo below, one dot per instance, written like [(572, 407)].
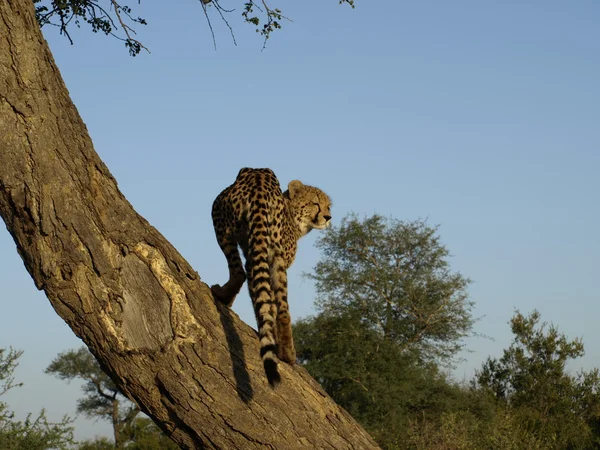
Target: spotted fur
[(266, 224)]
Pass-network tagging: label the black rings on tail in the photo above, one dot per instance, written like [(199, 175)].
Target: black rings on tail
[(272, 372)]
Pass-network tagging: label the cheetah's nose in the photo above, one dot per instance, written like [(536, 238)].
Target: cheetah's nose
[(327, 218)]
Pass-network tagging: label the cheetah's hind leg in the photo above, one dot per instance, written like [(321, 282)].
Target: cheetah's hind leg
[(226, 294), (285, 341)]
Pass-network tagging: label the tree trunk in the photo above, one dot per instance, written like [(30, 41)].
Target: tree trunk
[(143, 311), (116, 423)]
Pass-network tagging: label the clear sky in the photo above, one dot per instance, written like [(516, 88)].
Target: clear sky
[(483, 117)]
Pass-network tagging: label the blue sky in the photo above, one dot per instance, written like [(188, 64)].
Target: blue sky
[(482, 117)]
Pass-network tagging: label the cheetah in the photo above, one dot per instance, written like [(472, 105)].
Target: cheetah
[(266, 224)]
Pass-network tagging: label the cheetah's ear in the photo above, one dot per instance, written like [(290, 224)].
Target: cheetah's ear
[(294, 187)]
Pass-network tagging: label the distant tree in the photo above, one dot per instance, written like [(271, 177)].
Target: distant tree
[(396, 277), (144, 435), (32, 433), (100, 443), (389, 310), (531, 382), (465, 430), (102, 398), (379, 384)]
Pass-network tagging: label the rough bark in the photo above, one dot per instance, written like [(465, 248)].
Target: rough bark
[(143, 311)]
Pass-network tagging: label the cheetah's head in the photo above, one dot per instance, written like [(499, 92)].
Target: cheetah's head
[(311, 206)]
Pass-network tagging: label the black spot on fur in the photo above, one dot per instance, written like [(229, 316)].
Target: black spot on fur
[(254, 214)]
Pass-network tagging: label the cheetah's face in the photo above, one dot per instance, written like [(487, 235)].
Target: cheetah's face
[(312, 206)]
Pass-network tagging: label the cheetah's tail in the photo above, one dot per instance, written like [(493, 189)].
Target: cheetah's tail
[(259, 283), (271, 371)]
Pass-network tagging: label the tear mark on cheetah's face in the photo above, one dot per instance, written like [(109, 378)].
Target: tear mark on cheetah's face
[(311, 206)]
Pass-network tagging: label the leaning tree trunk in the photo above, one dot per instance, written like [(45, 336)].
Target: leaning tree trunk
[(143, 311)]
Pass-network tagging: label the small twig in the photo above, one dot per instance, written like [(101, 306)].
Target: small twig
[(92, 12), (358, 382), (256, 6), (212, 32), (218, 5), (268, 27), (126, 28), (63, 28), (220, 10)]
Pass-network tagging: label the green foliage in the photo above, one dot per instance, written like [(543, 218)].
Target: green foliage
[(377, 382), (391, 312), (102, 398), (113, 18), (145, 435), (466, 431), (390, 309), (273, 19), (395, 275), (100, 443), (531, 382), (535, 403), (35, 434), (8, 364), (32, 433), (109, 17), (100, 391), (142, 435)]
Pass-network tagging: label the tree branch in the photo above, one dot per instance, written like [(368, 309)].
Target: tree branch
[(133, 44), (131, 414)]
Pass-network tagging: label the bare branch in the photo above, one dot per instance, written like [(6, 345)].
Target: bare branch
[(220, 10), (133, 44), (212, 32)]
